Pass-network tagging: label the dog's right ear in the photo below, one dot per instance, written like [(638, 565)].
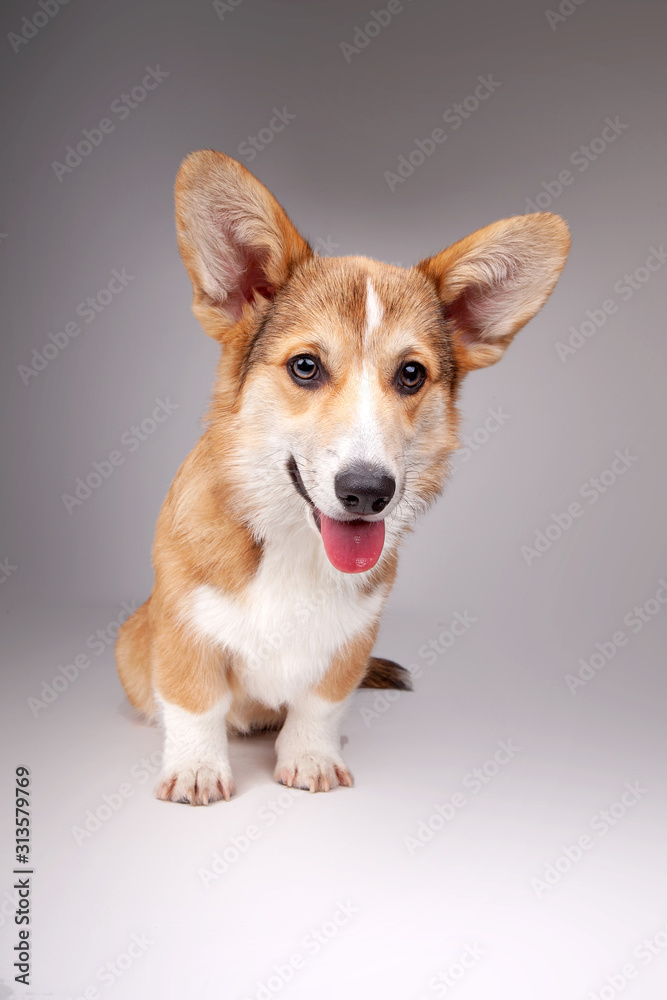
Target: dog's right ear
[(236, 241)]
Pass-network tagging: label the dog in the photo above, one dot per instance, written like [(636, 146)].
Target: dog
[(331, 426)]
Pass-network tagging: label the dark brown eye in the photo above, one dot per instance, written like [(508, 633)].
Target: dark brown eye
[(411, 377), (304, 368)]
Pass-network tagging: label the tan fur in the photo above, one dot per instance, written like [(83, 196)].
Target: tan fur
[(348, 668), (133, 659), (262, 294)]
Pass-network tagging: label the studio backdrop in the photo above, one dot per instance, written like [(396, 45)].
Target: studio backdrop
[(505, 837)]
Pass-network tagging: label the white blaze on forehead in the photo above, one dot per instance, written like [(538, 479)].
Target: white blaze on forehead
[(374, 311), (374, 315), (367, 441)]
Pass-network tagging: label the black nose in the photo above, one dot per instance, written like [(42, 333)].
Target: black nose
[(364, 489)]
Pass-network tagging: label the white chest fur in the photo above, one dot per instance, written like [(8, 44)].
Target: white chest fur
[(287, 625)]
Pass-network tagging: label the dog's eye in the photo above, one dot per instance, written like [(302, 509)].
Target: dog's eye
[(411, 377), (304, 368)]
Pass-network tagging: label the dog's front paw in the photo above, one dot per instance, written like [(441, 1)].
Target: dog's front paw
[(198, 785), (314, 772)]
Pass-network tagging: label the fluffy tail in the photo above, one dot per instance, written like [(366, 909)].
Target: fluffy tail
[(386, 674)]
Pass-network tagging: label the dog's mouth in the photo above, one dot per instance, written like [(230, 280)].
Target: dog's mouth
[(351, 546)]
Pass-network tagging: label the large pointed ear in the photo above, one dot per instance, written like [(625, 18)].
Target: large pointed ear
[(236, 241), (495, 280)]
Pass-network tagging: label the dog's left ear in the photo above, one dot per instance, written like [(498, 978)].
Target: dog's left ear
[(236, 241), (493, 281)]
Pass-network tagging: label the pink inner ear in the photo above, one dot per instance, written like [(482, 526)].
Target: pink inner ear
[(466, 311), (251, 281)]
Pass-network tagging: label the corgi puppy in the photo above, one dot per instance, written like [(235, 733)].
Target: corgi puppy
[(332, 421)]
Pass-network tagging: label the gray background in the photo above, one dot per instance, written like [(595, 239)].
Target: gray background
[(505, 678)]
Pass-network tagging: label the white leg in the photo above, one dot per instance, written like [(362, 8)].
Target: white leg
[(196, 761), (308, 746)]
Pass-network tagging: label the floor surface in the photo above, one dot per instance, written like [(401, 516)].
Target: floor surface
[(505, 837)]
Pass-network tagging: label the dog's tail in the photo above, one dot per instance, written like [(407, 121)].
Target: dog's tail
[(386, 674)]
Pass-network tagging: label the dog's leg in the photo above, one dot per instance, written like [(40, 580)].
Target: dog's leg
[(194, 699), (308, 746)]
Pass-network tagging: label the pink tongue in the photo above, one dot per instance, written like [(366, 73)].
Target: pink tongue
[(352, 546)]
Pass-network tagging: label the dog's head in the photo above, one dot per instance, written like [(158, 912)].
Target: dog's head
[(339, 376)]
